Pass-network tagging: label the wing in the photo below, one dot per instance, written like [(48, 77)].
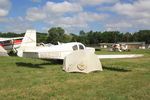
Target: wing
[(119, 56)]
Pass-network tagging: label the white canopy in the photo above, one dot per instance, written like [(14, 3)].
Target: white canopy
[(82, 61)]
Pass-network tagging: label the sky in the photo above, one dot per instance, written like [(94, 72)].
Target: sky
[(74, 15)]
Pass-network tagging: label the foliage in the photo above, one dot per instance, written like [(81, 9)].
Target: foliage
[(41, 37), (11, 34), (57, 34)]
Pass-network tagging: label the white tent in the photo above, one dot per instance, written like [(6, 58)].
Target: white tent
[(82, 61)]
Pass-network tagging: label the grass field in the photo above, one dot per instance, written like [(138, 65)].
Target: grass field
[(35, 79)]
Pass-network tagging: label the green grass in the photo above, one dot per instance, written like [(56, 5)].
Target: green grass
[(35, 79)]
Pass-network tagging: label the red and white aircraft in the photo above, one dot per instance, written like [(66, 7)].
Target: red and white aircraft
[(10, 43)]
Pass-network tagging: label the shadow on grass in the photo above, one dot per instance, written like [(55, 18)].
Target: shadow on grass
[(116, 69), (54, 61), (30, 65)]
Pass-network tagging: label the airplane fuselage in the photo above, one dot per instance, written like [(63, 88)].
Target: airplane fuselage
[(55, 51)]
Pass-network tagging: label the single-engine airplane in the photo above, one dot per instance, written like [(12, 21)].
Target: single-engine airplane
[(77, 57), (30, 49)]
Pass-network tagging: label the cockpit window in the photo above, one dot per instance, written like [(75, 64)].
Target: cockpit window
[(75, 47), (81, 47)]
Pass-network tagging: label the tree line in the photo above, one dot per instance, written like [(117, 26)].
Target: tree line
[(56, 34)]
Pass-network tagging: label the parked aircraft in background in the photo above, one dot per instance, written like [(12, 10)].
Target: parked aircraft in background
[(120, 47), (10, 43)]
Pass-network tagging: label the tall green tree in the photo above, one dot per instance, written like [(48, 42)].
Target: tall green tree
[(144, 36), (55, 35), (41, 37)]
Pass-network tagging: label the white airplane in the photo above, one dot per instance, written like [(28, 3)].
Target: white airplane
[(77, 57), (30, 49)]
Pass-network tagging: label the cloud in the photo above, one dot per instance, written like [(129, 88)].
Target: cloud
[(3, 12), (91, 17), (95, 2), (5, 20), (121, 25), (128, 16), (52, 9), (18, 25), (35, 0), (77, 22), (35, 14), (68, 15), (139, 9), (4, 7), (63, 7)]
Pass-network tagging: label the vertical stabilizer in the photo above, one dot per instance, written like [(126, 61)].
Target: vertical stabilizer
[(28, 42), (29, 39)]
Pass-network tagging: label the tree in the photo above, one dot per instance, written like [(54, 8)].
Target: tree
[(55, 35), (41, 37), (66, 38), (127, 37), (82, 33), (144, 36), (74, 37)]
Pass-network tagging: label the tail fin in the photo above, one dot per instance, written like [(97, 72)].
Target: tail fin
[(29, 39), (28, 42)]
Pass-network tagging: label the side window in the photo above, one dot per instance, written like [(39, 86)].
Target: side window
[(81, 47), (75, 47)]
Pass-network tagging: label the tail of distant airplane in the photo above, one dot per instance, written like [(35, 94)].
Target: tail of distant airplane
[(29, 41)]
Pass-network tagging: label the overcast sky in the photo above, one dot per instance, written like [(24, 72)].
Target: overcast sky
[(74, 15)]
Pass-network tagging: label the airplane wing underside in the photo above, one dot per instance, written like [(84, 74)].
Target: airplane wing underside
[(46, 55), (119, 56), (59, 55)]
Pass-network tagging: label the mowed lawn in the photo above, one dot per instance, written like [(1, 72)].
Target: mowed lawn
[(35, 79)]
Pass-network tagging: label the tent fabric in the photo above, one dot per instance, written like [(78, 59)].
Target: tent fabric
[(3, 52), (82, 61)]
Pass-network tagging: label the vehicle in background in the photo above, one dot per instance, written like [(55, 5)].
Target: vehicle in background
[(10, 43), (120, 47)]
